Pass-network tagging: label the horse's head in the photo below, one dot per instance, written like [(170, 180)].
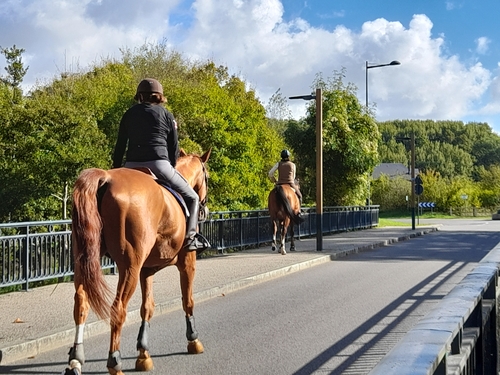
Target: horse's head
[(192, 167)]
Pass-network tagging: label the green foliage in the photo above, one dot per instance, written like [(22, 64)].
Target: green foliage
[(391, 194), (71, 124), (451, 148), (215, 110), (15, 71), (435, 189), (46, 145), (455, 160), (278, 113)]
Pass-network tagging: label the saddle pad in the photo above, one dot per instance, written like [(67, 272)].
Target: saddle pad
[(177, 197)]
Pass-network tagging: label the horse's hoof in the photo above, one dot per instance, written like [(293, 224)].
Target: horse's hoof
[(283, 252), (75, 368), (144, 362), (292, 248), (273, 248), (112, 371), (195, 347)]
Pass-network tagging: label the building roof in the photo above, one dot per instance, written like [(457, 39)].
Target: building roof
[(393, 170)]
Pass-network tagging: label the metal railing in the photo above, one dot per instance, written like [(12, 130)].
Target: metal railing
[(37, 251), (240, 229), (41, 250), (459, 336)]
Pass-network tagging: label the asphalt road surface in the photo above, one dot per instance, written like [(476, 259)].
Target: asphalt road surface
[(339, 317)]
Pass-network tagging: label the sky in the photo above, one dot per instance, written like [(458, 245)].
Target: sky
[(449, 50)]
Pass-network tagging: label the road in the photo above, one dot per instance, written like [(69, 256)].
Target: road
[(339, 317)]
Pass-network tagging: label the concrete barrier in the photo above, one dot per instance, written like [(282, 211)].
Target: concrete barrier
[(458, 336)]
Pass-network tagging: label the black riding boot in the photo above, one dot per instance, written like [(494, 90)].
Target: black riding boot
[(194, 240)]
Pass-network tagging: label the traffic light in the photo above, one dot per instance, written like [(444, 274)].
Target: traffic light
[(419, 189)]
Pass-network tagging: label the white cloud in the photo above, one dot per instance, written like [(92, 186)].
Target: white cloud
[(68, 35), (252, 39), (482, 45), (451, 5)]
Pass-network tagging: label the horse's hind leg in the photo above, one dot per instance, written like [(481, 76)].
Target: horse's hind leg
[(144, 361), (283, 231), (186, 265), (80, 313), (127, 282), (275, 230), (292, 239)]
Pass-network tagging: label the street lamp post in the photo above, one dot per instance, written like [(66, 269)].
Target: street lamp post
[(412, 174), (370, 66), (319, 163)]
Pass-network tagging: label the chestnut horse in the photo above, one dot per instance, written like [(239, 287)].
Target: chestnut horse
[(284, 207), (127, 215)]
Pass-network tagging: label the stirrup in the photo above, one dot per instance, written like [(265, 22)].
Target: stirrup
[(198, 243)]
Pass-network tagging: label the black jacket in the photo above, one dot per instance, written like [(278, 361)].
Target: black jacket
[(151, 133)]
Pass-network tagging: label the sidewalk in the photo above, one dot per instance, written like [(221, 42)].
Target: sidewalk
[(42, 318)]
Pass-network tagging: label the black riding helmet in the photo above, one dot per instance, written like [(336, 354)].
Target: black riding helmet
[(285, 154), (148, 86)]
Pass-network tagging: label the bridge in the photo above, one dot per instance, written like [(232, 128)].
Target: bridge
[(462, 341)]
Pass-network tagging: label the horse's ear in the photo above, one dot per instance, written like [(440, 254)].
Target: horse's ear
[(182, 152), (206, 155)]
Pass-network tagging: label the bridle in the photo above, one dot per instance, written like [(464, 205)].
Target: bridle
[(203, 211)]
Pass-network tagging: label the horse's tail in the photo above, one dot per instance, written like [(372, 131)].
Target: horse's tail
[(86, 233), (285, 203)]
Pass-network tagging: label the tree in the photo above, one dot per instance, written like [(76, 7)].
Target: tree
[(71, 124), (451, 148), (350, 140), (391, 193), (15, 71), (215, 109), (278, 113)]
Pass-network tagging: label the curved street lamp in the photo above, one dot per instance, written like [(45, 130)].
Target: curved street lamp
[(368, 66)]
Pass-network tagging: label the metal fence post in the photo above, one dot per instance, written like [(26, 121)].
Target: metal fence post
[(221, 235), (26, 265)]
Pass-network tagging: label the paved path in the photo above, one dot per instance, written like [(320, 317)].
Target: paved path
[(41, 319)]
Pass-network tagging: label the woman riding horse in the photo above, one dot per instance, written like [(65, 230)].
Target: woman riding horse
[(284, 201), (126, 214)]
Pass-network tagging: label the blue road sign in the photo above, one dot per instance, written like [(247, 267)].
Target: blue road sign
[(427, 204)]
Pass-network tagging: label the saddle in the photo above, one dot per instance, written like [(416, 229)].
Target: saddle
[(167, 186)]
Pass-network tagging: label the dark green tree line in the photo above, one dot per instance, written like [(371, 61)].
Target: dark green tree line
[(455, 160)]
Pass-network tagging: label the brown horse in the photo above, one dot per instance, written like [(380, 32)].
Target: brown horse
[(127, 215), (284, 208)]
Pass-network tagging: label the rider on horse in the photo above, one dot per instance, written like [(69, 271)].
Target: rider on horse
[(286, 173), (148, 132)]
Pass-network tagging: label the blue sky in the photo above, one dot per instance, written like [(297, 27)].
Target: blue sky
[(449, 50)]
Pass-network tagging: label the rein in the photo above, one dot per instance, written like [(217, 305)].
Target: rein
[(203, 211)]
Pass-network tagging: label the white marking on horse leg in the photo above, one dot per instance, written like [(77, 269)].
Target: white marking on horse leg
[(79, 334), (74, 364)]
